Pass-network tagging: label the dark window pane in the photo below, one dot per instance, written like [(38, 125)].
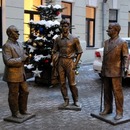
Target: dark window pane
[(113, 15)]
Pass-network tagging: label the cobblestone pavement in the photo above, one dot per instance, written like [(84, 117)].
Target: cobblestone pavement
[(44, 102)]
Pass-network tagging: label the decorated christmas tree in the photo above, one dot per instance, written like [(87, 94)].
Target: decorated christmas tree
[(40, 43)]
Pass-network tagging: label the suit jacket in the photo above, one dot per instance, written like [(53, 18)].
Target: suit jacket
[(115, 58), (13, 55)]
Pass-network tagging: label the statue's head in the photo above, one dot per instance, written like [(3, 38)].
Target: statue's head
[(12, 32), (65, 26), (64, 21), (113, 29)]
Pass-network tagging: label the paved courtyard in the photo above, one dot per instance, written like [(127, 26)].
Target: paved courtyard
[(44, 102)]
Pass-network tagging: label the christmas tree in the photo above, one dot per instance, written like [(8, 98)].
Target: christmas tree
[(40, 43)]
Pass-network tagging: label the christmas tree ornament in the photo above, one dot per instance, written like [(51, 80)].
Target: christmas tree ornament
[(37, 72), (30, 55), (49, 35), (57, 13), (51, 32), (46, 61), (40, 43), (34, 44), (76, 72)]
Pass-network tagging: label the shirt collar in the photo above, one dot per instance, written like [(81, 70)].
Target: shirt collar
[(114, 38), (62, 37)]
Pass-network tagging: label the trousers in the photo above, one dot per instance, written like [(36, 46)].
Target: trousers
[(17, 97), (113, 86), (65, 70)]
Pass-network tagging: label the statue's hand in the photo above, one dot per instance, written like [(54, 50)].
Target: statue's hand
[(125, 72)]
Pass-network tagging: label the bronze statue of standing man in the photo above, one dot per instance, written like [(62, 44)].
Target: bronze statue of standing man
[(114, 66), (70, 51), (14, 74)]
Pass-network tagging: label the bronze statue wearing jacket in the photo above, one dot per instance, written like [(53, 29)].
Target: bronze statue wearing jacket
[(114, 66), (14, 74)]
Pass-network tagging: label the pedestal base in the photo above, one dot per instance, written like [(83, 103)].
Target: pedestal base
[(70, 107), (17, 120), (109, 118)]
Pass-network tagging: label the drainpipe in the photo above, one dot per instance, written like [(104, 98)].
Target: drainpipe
[(103, 20)]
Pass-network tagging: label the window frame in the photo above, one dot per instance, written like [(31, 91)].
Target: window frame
[(64, 16), (129, 25), (89, 20), (1, 38), (32, 14), (116, 17)]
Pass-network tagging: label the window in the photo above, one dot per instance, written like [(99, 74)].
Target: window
[(0, 23), (90, 26), (67, 12), (129, 24), (30, 13), (113, 13)]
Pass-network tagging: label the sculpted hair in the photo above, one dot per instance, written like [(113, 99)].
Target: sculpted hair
[(64, 21), (116, 26), (9, 30)]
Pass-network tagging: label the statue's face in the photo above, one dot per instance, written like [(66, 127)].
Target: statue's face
[(65, 28), (14, 34), (112, 32)]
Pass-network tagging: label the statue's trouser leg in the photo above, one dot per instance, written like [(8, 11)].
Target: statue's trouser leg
[(63, 83), (108, 97), (72, 82), (13, 97), (74, 92), (62, 76), (64, 92), (23, 97), (18, 95), (66, 69), (113, 85), (118, 93)]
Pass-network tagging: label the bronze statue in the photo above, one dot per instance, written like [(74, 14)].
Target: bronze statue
[(14, 74), (70, 51), (114, 65)]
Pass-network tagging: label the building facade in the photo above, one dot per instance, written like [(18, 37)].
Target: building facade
[(89, 18)]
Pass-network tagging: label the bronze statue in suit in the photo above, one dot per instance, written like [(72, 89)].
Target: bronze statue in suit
[(115, 64), (69, 49), (14, 58)]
